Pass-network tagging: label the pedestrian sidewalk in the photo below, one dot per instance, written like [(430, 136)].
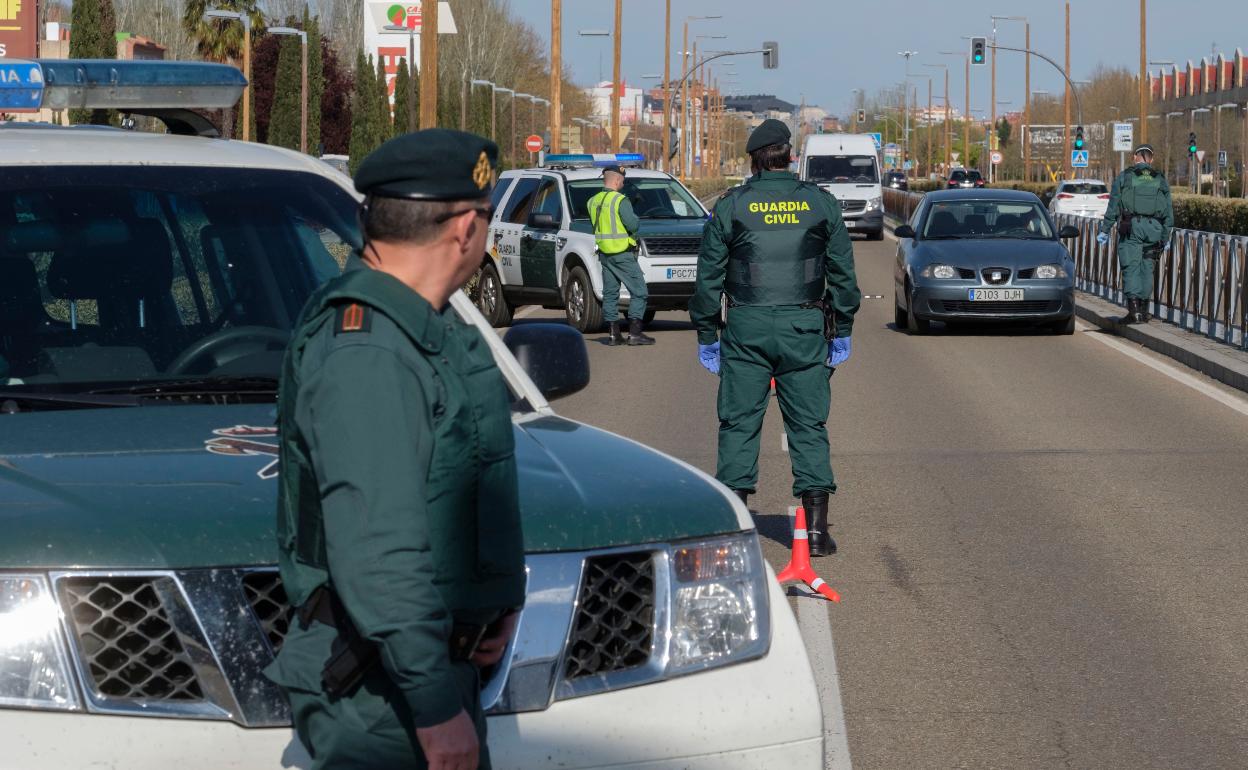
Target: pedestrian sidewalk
[(1215, 359)]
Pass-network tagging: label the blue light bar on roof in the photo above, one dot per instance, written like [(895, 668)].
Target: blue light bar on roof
[(597, 160), (147, 85), (21, 86)]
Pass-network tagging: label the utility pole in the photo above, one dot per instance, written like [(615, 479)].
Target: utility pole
[(1143, 72), (684, 105), (667, 88), (992, 129), (929, 126), (617, 91), (1027, 106), (429, 65), (1066, 124), (556, 75), (966, 118)]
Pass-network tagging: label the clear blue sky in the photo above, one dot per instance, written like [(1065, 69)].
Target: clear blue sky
[(829, 47)]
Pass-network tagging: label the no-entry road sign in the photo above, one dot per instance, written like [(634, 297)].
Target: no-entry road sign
[(533, 143)]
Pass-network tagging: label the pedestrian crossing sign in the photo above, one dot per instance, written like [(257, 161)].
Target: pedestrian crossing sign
[(878, 139), (1079, 158)]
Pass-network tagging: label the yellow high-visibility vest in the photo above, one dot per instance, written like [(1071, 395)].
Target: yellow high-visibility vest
[(609, 232)]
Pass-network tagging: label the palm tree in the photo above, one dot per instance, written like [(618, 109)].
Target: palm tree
[(220, 39)]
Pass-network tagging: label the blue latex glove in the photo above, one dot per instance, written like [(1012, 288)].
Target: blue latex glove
[(838, 351), (1102, 238), (708, 356)]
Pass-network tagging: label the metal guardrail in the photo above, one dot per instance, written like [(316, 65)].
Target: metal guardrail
[(1201, 278)]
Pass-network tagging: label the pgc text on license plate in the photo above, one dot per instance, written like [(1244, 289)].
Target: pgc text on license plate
[(682, 273), (994, 295)]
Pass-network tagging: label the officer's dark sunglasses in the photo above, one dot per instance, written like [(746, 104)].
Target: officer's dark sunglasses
[(488, 211)]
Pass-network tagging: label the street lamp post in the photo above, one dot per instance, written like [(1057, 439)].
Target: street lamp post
[(684, 93), (616, 82), (966, 119), (906, 136), (220, 13), (556, 75), (303, 81), (512, 94), (1167, 120), (493, 120)]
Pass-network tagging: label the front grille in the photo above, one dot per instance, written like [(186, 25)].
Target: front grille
[(656, 247), (127, 640), (995, 275), (267, 600), (850, 207), (1024, 306), (614, 625)]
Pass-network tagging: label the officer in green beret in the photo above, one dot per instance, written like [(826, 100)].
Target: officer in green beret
[(398, 521), (778, 249), (1141, 208)]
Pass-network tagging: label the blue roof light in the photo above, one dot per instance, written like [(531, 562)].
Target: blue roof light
[(21, 86), (596, 160), (115, 84)]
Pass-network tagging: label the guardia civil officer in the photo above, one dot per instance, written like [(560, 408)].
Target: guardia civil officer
[(398, 524), (1140, 205), (615, 227), (778, 249)]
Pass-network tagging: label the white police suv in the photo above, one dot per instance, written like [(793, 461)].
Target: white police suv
[(148, 286), (542, 251)]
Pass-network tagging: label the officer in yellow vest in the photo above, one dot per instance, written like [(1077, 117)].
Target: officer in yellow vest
[(615, 225)]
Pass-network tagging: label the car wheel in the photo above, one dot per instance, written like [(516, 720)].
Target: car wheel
[(583, 309), (1066, 327), (490, 299), (900, 317), (914, 324)]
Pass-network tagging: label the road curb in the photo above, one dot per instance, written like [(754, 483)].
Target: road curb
[(1221, 362)]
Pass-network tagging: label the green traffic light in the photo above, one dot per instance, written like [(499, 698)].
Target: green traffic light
[(1078, 144)]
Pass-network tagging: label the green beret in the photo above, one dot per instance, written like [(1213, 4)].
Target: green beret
[(437, 164), (770, 131)]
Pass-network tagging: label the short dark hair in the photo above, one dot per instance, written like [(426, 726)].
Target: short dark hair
[(773, 157), (400, 220), (1145, 154)]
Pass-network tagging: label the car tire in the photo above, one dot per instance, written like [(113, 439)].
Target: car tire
[(914, 324), (583, 309), (900, 317), (490, 300), (1064, 328)]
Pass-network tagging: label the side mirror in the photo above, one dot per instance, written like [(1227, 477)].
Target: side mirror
[(543, 221), (903, 231), (553, 355), (1068, 231)]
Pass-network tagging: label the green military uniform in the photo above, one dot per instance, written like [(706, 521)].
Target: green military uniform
[(774, 246), (615, 225), (1141, 194), (398, 492)]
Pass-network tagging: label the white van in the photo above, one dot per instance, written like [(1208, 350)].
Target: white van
[(848, 166)]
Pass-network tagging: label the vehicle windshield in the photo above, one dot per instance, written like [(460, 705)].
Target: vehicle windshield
[(841, 168), (986, 219), (1083, 188), (115, 279), (652, 198)]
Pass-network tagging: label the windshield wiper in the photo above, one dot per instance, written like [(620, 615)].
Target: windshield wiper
[(65, 400), (192, 385), (943, 237)]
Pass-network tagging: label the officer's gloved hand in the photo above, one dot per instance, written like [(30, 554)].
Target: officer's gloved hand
[(708, 356), (1102, 238), (839, 350)]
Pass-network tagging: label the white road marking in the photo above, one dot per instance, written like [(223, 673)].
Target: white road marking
[(784, 442), (1173, 371), (525, 312), (815, 623)]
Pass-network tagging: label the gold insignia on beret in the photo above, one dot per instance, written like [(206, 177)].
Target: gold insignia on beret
[(482, 174)]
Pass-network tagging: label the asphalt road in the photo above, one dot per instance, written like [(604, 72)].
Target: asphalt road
[(1042, 539)]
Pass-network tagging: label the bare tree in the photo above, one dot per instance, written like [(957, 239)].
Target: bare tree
[(159, 21)]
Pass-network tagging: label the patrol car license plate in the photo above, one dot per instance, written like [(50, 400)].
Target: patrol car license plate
[(682, 273), (994, 295)]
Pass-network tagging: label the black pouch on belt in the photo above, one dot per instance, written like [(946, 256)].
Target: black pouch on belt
[(829, 317), (1124, 226)]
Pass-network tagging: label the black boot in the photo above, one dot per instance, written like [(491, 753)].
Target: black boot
[(635, 335), (744, 494), (615, 338), (1141, 312), (1132, 310), (816, 505)]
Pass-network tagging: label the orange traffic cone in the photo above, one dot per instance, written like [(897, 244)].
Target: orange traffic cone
[(799, 567)]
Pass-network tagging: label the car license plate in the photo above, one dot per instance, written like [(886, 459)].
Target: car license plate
[(682, 273), (994, 295)]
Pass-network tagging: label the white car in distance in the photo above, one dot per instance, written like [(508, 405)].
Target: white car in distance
[(1080, 197)]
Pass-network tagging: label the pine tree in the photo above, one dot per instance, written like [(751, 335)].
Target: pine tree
[(402, 104), (285, 117), (362, 109), (95, 37), (383, 124), (316, 81)]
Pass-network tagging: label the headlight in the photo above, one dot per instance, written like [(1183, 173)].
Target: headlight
[(719, 603), (874, 203), (34, 670), (1050, 271), (939, 271)]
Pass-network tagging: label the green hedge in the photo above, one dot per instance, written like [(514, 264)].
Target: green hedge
[(1215, 215)]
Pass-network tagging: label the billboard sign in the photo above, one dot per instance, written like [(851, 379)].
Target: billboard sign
[(19, 29), (390, 29)]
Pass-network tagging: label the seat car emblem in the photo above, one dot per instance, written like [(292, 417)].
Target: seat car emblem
[(239, 441), (996, 276)]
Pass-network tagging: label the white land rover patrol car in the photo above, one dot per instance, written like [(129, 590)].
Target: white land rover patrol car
[(542, 251)]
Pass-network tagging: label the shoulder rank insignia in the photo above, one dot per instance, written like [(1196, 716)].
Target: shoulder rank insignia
[(353, 318)]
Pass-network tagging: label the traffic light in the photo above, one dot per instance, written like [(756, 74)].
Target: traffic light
[(1079, 137), (862, 116), (771, 55), (979, 47), (1191, 144)]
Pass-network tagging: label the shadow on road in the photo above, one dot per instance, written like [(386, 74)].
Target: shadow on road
[(775, 527), (999, 329)]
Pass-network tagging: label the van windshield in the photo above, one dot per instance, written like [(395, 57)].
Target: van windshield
[(841, 169)]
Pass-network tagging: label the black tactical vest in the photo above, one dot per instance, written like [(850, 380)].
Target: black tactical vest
[(779, 242)]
